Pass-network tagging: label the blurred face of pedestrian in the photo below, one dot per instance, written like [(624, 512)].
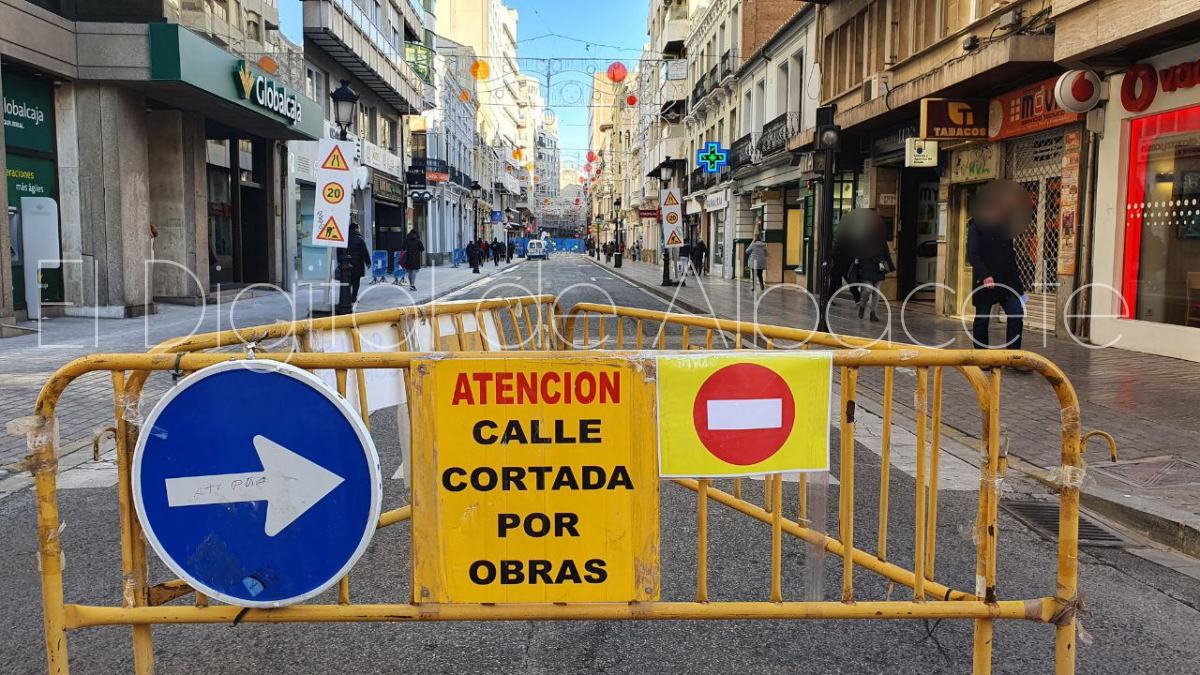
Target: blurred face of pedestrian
[(1001, 205)]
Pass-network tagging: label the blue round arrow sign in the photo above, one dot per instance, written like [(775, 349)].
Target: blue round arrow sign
[(256, 483)]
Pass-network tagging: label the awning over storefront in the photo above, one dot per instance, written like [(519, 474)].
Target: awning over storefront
[(190, 73)]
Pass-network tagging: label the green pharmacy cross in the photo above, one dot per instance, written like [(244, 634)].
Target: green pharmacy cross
[(712, 157)]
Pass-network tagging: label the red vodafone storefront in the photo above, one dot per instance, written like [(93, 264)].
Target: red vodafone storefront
[(1146, 257)]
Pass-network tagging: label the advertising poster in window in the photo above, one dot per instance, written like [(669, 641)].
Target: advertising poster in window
[(1068, 236)]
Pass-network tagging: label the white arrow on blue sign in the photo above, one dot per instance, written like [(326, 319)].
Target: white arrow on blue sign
[(256, 483)]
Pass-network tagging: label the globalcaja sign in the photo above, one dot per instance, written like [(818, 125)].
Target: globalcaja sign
[(266, 93), (28, 112)]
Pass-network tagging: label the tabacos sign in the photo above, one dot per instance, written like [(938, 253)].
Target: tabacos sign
[(945, 119), (266, 93), (1142, 83)]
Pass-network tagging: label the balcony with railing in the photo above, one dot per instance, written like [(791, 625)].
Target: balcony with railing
[(727, 64), (696, 180), (700, 90), (744, 151), (775, 134), (349, 35)]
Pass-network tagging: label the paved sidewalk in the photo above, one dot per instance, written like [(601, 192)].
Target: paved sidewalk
[(1149, 403), (27, 361)]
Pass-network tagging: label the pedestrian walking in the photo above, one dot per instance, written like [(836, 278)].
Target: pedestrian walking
[(497, 251), (756, 260), (509, 249), (842, 267), (871, 266), (699, 253), (360, 260), (685, 257), (414, 252), (473, 256), (990, 250)]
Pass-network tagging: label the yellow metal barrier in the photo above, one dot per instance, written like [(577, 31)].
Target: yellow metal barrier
[(536, 324)]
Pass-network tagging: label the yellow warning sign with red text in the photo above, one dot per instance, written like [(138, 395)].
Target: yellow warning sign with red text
[(533, 481), (735, 415), (331, 213)]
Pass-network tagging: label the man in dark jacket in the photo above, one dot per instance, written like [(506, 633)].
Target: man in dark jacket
[(509, 249), (473, 256), (699, 253), (414, 253), (360, 260), (996, 279), (497, 251)]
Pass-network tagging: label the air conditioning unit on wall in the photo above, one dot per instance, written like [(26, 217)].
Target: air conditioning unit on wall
[(875, 86)]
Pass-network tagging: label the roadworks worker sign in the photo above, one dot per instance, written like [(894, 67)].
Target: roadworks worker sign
[(533, 481), (741, 415), (331, 213)]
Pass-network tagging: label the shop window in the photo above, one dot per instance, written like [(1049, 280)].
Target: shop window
[(1161, 275)]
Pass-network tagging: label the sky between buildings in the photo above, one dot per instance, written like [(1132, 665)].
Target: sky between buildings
[(564, 39)]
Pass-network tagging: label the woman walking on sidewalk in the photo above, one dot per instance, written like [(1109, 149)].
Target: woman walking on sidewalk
[(414, 252), (756, 260)]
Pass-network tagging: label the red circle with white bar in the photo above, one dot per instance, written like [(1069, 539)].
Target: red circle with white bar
[(744, 413)]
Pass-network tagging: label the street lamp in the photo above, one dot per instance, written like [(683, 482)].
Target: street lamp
[(666, 172), (476, 191), (344, 102)]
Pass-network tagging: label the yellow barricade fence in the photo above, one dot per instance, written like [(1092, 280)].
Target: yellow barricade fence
[(384, 374)]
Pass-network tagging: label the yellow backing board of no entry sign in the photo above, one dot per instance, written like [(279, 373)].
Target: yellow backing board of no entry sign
[(533, 481), (722, 415)]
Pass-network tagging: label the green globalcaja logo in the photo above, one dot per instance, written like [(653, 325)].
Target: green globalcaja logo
[(265, 92)]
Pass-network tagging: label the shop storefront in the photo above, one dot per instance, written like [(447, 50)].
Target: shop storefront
[(718, 236), (1147, 234), (1038, 145), (240, 110), (32, 163), (906, 198)]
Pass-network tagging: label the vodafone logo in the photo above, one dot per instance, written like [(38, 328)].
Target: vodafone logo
[(1142, 83), (1077, 91), (744, 413)]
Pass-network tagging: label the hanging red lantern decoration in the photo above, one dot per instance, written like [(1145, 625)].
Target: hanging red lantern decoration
[(631, 100), (576, 201), (591, 155), (617, 72), (588, 168), (582, 179)]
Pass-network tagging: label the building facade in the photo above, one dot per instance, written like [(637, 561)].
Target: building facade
[(1141, 256), (94, 87)]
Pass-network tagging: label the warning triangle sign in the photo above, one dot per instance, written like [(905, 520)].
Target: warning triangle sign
[(671, 200), (674, 240), (330, 232), (336, 161)]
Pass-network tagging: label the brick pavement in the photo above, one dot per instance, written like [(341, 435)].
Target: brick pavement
[(1147, 402), (27, 361)]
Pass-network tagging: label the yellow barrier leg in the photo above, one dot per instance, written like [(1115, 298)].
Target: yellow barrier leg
[(135, 592), (846, 507), (985, 580), (43, 464), (885, 462), (702, 541)]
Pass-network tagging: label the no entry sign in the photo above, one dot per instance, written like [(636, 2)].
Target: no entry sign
[(533, 481), (727, 415)]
